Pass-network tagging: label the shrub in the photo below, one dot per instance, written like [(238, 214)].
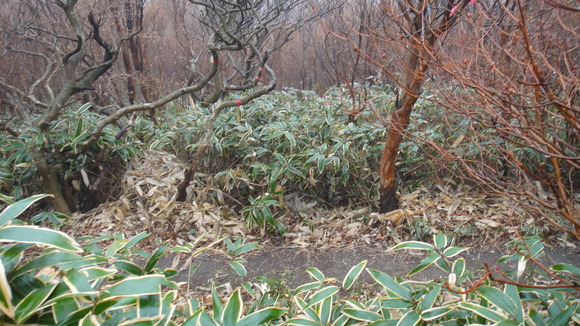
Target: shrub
[(87, 176)]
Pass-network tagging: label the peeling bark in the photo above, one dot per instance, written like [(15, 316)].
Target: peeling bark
[(416, 68)]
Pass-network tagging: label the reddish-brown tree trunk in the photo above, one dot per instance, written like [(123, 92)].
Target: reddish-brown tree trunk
[(416, 67)]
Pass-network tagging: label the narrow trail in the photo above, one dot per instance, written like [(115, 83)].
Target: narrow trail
[(290, 264)]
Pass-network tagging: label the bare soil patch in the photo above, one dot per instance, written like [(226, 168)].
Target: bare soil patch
[(288, 265)]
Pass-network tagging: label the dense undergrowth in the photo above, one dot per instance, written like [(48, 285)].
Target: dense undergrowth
[(287, 142), (294, 139)]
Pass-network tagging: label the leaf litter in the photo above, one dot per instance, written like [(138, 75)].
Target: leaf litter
[(147, 203)]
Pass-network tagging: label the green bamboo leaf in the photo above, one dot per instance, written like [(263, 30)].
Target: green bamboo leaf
[(411, 318), (84, 261), (62, 306), (84, 108), (129, 267), (232, 246), (296, 172), (362, 315), (384, 323), (508, 322), (440, 240), (498, 298), (149, 305), (307, 287), (483, 311), (274, 135), (89, 320), (201, 318), (238, 267), (17, 208), (30, 304), (246, 248), (73, 317), (68, 301), (167, 306), (435, 313), (5, 294), (316, 274), (193, 320), (459, 268), (233, 309), (79, 128), (443, 265), (77, 281), (152, 261), (563, 318), (536, 318), (290, 138), (4, 174), (426, 262), (566, 268), (413, 245), (261, 317), (453, 251), (248, 287), (513, 293), (138, 285), (393, 303), (325, 310), (321, 162), (48, 259), (429, 298), (12, 255), (53, 217), (322, 294), (39, 236), (134, 240), (355, 304), (341, 320), (218, 307), (391, 285), (307, 309), (353, 275)]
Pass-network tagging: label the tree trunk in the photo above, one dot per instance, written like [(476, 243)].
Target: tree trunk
[(51, 185), (199, 155), (416, 67)]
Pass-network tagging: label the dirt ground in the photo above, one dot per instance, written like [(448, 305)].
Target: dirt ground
[(289, 264)]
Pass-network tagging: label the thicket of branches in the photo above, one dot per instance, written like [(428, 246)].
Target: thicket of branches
[(509, 67), (521, 82)]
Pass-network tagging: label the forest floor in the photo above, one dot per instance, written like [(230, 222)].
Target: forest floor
[(332, 240)]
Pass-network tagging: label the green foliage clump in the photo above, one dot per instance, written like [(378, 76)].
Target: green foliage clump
[(77, 167), (288, 142), (295, 140)]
